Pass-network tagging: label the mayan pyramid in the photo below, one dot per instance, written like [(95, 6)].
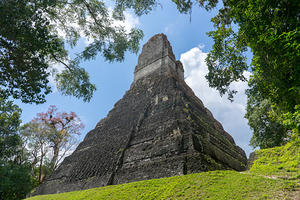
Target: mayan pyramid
[(158, 129)]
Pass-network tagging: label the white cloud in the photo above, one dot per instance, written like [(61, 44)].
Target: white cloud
[(130, 21), (231, 115), (55, 69)]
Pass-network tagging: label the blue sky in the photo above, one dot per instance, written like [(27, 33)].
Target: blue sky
[(190, 44)]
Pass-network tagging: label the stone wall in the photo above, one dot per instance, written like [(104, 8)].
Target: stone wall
[(157, 56)]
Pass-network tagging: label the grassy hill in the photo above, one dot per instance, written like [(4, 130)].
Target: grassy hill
[(274, 174)]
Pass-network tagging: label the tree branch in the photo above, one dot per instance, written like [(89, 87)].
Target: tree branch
[(91, 13), (60, 61)]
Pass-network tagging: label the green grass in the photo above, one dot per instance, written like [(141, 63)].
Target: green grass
[(282, 162), (265, 180), (207, 185)]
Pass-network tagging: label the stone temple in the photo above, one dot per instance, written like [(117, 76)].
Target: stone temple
[(158, 129)]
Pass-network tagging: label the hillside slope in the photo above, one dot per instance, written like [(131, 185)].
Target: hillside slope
[(274, 175), (278, 162)]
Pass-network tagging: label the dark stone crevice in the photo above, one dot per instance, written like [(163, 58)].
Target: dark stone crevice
[(121, 157)]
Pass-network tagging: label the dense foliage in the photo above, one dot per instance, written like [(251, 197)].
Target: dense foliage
[(271, 30), (30, 153), (32, 41), (292, 121), (9, 124), (15, 178), (267, 132), (15, 181)]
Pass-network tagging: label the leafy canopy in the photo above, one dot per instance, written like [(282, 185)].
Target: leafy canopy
[(267, 132), (9, 124), (15, 178), (271, 30), (31, 44), (15, 182)]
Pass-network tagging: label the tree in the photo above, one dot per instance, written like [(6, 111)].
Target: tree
[(30, 45), (49, 137), (35, 136), (9, 124), (271, 30), (292, 121), (15, 181), (63, 127), (267, 132), (15, 177), (272, 125)]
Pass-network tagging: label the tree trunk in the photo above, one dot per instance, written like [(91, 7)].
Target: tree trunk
[(41, 170), (55, 156)]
